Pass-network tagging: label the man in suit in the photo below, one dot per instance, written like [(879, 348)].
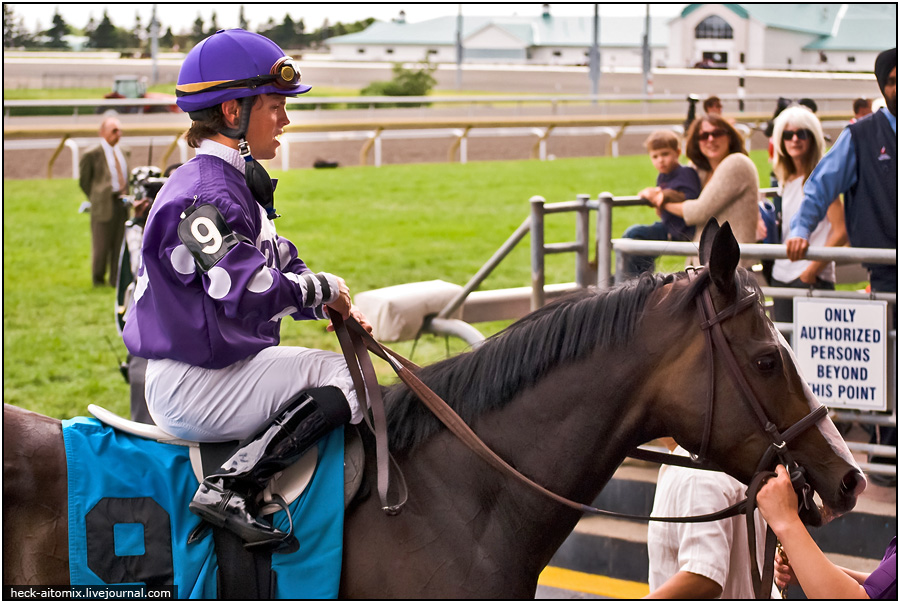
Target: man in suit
[(104, 179)]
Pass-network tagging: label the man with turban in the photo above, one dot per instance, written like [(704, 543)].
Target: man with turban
[(862, 165)]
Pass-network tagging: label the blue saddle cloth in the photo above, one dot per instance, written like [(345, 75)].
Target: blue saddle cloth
[(129, 519)]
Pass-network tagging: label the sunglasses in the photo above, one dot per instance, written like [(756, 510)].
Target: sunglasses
[(800, 134), (717, 133)]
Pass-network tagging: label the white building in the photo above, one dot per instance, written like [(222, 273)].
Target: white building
[(783, 36), (779, 36), (545, 40)]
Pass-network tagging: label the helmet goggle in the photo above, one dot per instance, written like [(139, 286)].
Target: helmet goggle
[(283, 74)]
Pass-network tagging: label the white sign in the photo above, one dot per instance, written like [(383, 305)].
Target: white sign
[(841, 348)]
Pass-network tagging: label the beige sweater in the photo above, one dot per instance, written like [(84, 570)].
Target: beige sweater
[(730, 195)]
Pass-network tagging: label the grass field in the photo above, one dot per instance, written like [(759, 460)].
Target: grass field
[(374, 226)]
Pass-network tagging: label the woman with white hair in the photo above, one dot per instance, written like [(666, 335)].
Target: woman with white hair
[(799, 145)]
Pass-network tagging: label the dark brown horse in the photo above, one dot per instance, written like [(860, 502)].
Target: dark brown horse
[(563, 395)]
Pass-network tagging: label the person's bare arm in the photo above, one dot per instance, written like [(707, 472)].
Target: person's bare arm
[(818, 576), (671, 196), (837, 237), (687, 585)]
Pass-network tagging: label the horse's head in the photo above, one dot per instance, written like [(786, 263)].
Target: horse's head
[(737, 356)]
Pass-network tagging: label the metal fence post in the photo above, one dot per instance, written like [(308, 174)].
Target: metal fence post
[(582, 239), (604, 239), (537, 252), (73, 146)]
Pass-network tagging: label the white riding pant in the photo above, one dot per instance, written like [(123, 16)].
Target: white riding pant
[(217, 405)]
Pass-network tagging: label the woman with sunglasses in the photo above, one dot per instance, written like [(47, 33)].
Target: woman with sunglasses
[(799, 145), (216, 280), (729, 178)]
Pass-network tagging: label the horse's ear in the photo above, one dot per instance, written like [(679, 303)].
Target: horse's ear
[(706, 240), (725, 253)]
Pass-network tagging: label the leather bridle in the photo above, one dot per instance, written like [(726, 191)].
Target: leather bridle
[(711, 323), (355, 340)]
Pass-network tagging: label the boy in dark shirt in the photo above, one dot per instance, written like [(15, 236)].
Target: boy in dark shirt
[(676, 183)]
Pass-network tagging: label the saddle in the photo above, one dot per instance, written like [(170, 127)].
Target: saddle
[(206, 457)]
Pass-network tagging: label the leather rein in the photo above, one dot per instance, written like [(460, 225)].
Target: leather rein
[(356, 341)]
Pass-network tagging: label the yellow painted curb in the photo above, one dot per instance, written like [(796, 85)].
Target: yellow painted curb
[(557, 577)]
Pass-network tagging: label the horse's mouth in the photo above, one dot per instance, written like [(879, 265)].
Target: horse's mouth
[(816, 516)]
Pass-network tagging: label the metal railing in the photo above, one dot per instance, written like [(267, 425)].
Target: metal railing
[(556, 102), (372, 133), (606, 246)]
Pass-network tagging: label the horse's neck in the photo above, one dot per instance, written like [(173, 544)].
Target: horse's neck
[(568, 433)]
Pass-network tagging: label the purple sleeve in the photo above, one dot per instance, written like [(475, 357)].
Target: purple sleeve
[(246, 282), (882, 583)]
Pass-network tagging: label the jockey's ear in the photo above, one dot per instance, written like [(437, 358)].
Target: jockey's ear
[(706, 240), (725, 253)]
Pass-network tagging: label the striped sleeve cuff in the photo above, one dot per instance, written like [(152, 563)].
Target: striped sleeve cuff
[(316, 289)]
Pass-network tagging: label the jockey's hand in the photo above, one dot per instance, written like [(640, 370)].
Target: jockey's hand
[(796, 248), (361, 319), (356, 314), (343, 302)]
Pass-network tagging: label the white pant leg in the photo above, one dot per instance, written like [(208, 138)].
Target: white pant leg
[(230, 403)]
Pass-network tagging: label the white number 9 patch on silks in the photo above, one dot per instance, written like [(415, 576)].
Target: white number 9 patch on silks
[(206, 235)]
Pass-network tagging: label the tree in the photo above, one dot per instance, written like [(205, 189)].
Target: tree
[(406, 82), (90, 27), (285, 35), (14, 33), (167, 40), (242, 21), (137, 36), (105, 35), (213, 24), (56, 32), (197, 33)]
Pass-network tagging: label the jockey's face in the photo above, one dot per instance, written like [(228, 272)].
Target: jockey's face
[(267, 121)]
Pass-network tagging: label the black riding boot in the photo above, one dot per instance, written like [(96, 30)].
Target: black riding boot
[(227, 498)]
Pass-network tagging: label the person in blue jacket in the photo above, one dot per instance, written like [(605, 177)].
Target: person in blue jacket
[(862, 165)]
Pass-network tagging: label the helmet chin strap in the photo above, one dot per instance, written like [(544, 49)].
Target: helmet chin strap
[(258, 180)]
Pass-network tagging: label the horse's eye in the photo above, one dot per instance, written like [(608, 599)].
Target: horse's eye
[(767, 364)]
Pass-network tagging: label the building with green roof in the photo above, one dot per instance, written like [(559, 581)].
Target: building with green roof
[(544, 40), (757, 36), (783, 36)]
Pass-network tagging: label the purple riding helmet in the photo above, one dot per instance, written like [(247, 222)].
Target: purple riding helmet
[(234, 63), (237, 64)]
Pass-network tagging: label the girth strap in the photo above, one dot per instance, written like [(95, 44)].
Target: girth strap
[(243, 575)]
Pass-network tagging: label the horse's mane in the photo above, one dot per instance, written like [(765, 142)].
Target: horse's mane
[(488, 377), (566, 330)]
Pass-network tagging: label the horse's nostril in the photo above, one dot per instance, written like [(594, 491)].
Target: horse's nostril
[(853, 483)]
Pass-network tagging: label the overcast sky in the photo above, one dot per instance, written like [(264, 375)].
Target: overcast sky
[(180, 16)]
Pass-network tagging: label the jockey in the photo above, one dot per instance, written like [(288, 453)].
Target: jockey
[(216, 280)]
